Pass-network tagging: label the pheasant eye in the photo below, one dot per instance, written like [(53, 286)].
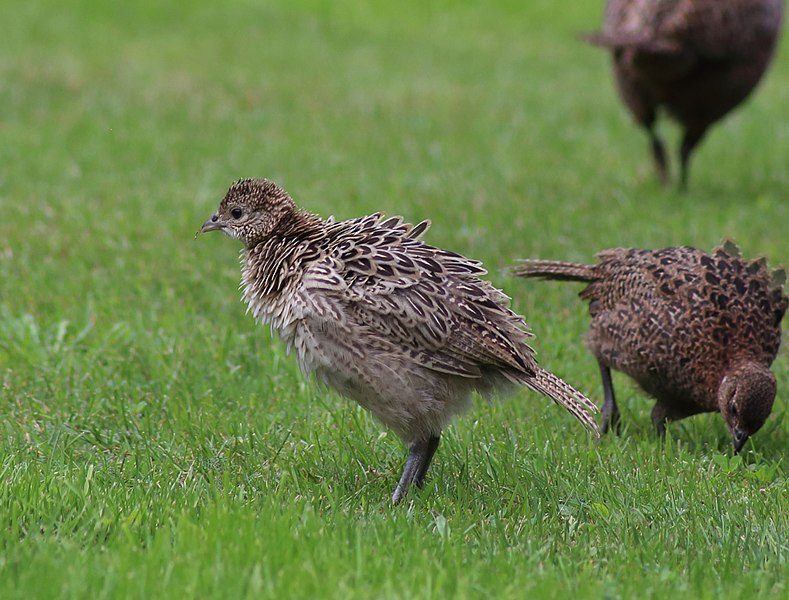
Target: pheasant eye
[(236, 213)]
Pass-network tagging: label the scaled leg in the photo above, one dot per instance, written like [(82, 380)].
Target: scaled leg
[(420, 455), (690, 140), (610, 410)]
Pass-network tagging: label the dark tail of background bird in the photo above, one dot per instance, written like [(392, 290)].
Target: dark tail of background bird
[(639, 41), (554, 269)]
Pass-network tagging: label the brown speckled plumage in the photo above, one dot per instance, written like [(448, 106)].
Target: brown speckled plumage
[(406, 329), (697, 331), (698, 59)]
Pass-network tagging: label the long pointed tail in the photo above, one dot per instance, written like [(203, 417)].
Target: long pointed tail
[(561, 392), (554, 269)]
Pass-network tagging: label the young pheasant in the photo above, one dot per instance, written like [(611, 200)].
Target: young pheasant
[(698, 59), (406, 329), (697, 331)]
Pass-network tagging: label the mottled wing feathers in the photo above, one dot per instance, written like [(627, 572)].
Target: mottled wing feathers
[(729, 247), (777, 278), (751, 291), (649, 26), (380, 279), (709, 29), (381, 286), (678, 309)]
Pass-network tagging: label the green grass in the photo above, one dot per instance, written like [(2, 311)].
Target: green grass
[(156, 442)]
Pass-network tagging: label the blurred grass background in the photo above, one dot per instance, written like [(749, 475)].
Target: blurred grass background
[(156, 442)]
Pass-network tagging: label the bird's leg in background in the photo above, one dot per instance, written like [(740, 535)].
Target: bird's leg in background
[(430, 450), (658, 154), (610, 410), (690, 139), (660, 418), (420, 455)]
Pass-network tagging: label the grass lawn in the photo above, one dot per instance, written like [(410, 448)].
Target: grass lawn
[(157, 443)]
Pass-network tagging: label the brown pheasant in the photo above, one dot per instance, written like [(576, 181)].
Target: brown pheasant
[(406, 329), (697, 331), (698, 59)]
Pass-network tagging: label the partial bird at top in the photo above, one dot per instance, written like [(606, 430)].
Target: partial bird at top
[(698, 59)]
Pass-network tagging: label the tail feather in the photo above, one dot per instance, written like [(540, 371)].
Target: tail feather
[(638, 40), (554, 269), (561, 392)]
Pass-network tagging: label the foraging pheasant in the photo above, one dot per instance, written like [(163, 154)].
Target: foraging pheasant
[(406, 329), (697, 331), (698, 59)]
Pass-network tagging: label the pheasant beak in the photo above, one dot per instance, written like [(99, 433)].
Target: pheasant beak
[(738, 438), (212, 224)]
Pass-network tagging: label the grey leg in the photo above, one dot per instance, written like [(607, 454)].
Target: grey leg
[(689, 141), (420, 455), (658, 155), (610, 410), (432, 446), (660, 418)]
